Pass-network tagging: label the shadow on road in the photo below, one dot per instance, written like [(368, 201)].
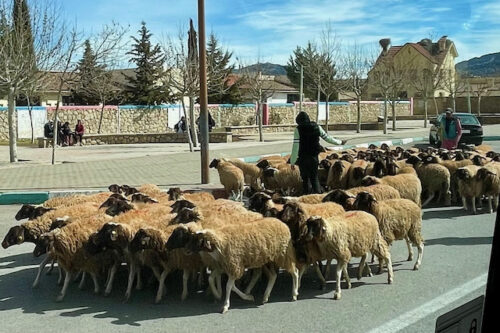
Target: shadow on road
[(451, 241), (451, 213)]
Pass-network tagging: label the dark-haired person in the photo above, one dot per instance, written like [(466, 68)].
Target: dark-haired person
[(305, 151), (451, 130), (79, 131)]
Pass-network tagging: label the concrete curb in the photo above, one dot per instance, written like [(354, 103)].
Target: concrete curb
[(38, 197)]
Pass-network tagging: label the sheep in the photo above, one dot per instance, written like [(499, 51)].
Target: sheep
[(262, 203), (153, 241), (489, 175), (338, 175), (251, 171), (175, 193), (408, 185), (323, 171), (398, 219), (31, 212), (31, 230), (377, 169), (231, 177), (356, 173), (353, 234), (469, 186), (434, 178), (252, 245), (59, 202), (67, 245), (308, 198), (284, 178)]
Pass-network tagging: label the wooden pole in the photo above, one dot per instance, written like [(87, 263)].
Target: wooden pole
[(205, 176)]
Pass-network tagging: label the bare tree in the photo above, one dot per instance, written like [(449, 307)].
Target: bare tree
[(259, 88), (426, 81), (183, 78), (24, 55), (454, 84), (330, 53), (482, 89), (357, 62)]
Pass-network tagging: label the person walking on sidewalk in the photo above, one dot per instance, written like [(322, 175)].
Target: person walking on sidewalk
[(305, 151), (451, 130)]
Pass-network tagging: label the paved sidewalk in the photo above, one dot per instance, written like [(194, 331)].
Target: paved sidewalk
[(162, 164)]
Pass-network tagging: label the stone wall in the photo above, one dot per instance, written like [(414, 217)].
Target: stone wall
[(143, 120), (4, 125), (230, 115), (89, 116), (489, 104)]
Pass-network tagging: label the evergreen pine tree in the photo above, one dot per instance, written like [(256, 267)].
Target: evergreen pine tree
[(218, 71), (22, 26), (89, 74), (145, 87)]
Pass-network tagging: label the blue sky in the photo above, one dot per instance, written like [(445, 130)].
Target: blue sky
[(271, 29)]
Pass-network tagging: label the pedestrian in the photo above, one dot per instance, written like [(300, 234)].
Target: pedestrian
[(305, 151), (211, 122), (66, 134), (451, 130), (180, 127), (79, 131), (48, 130)]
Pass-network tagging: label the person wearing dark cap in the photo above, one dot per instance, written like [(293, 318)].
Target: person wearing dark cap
[(305, 151), (451, 130)]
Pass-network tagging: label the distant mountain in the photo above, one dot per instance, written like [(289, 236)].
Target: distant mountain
[(266, 69), (486, 65)]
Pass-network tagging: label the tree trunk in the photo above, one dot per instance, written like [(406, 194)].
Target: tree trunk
[(425, 113), (358, 104), (56, 132), (436, 105), (188, 127), (192, 121), (327, 120), (317, 104), (393, 115), (385, 114), (100, 118), (454, 101), (478, 105), (12, 124), (259, 118), (30, 113)]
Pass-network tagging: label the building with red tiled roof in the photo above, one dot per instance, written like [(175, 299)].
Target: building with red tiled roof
[(413, 59)]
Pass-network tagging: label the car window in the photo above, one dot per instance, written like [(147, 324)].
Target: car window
[(468, 120)]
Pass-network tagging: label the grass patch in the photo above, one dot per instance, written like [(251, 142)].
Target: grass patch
[(20, 142)]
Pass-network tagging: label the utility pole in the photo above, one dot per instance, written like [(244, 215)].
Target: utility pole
[(469, 108), (205, 176), (301, 87)]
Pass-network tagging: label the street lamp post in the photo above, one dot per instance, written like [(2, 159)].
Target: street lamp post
[(205, 176), (301, 92)]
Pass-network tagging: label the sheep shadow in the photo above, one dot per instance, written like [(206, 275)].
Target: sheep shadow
[(452, 241), (17, 260), (445, 214)]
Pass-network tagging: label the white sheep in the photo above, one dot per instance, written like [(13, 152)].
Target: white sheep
[(231, 177)]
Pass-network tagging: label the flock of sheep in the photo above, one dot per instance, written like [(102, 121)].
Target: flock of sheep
[(373, 198)]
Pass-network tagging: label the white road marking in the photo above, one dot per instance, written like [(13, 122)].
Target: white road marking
[(413, 316), (407, 140)]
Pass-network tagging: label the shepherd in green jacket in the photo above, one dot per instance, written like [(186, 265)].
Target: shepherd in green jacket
[(305, 151)]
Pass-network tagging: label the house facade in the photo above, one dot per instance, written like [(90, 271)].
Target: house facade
[(410, 63)]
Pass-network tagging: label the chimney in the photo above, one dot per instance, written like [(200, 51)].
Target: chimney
[(384, 43), (442, 44)]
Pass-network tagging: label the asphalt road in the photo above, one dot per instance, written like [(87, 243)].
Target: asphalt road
[(453, 271)]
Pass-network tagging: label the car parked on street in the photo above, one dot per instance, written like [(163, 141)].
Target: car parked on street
[(472, 130)]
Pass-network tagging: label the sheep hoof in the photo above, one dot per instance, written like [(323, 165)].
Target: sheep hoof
[(359, 277), (249, 298), (416, 267), (410, 258), (265, 300), (107, 293), (183, 297), (126, 299), (389, 281), (59, 298), (96, 291), (349, 285), (157, 300), (370, 274), (337, 296), (294, 298), (35, 285), (224, 310)]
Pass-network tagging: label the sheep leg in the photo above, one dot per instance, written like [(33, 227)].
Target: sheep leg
[(255, 277), (51, 267), (373, 259), (211, 282), (295, 283), (368, 269), (464, 202), (327, 269), (272, 275), (111, 278), (410, 249), (340, 267), (490, 206), (429, 199), (361, 267), (420, 247), (161, 285), (185, 278), (242, 295), (131, 278), (60, 278), (96, 283), (474, 205), (320, 276), (229, 287), (40, 269), (495, 202), (390, 274), (346, 277), (139, 284), (82, 281), (301, 272), (64, 289)]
